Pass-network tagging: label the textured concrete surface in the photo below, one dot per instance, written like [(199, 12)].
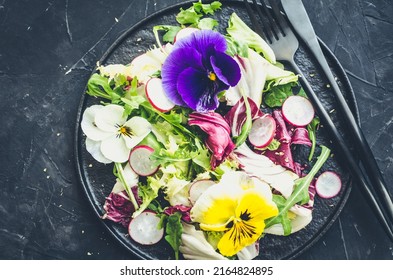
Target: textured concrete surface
[(47, 52)]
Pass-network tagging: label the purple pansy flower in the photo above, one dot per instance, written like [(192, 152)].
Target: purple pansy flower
[(197, 69)]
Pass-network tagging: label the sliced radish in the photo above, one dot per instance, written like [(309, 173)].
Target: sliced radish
[(156, 95), (197, 188), (143, 66), (185, 32), (144, 228), (328, 184), (140, 160), (262, 131), (298, 110)]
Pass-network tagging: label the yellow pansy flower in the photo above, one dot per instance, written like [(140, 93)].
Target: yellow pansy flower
[(238, 205)]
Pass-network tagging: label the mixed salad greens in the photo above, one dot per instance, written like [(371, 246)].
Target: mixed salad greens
[(200, 131)]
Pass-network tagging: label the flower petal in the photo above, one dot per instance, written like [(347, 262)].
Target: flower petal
[(203, 40), (176, 62), (94, 148), (110, 117), (213, 214), (193, 87), (226, 68), (115, 149), (140, 128), (258, 207), (89, 126)]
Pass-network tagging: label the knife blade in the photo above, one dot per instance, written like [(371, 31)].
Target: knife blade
[(298, 17)]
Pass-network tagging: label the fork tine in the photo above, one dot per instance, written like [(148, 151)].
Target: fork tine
[(254, 21), (266, 22), (281, 21), (269, 16), (262, 26)]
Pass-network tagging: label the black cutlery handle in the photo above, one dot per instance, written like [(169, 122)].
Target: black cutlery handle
[(364, 151), (384, 215)]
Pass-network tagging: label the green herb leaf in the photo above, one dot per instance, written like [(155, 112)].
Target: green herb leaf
[(98, 86), (174, 231), (312, 134), (207, 8), (277, 95), (300, 192), (188, 16), (283, 219)]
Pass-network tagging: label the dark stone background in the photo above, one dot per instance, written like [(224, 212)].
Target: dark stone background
[(47, 52)]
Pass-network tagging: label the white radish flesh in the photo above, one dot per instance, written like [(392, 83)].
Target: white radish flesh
[(328, 184), (197, 188), (156, 95), (262, 131), (298, 110), (140, 160), (144, 230)]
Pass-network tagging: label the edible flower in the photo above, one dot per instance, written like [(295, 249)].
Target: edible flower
[(218, 132), (198, 69), (238, 206), (110, 136)]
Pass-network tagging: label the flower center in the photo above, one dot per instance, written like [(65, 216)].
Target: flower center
[(124, 130), (212, 76)]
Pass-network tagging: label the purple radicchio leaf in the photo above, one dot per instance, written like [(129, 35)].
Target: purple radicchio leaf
[(218, 131), (118, 208), (237, 115), (184, 210)]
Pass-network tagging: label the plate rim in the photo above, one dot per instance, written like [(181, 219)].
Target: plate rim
[(78, 134)]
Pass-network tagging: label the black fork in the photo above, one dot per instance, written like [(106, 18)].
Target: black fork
[(275, 29)]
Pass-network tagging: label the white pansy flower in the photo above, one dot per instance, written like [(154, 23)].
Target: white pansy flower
[(110, 136)]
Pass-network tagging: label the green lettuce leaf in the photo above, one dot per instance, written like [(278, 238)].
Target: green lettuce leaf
[(240, 31)]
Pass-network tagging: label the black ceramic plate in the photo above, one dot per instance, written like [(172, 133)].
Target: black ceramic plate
[(97, 179)]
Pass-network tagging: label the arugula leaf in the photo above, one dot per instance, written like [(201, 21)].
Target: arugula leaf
[(174, 230), (312, 134), (283, 218), (300, 192), (277, 95)]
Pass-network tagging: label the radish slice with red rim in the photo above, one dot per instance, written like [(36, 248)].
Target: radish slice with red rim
[(328, 184), (140, 161), (298, 110), (262, 131), (197, 189), (144, 230), (156, 95)]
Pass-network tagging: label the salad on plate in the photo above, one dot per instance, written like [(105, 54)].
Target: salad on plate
[(200, 131)]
